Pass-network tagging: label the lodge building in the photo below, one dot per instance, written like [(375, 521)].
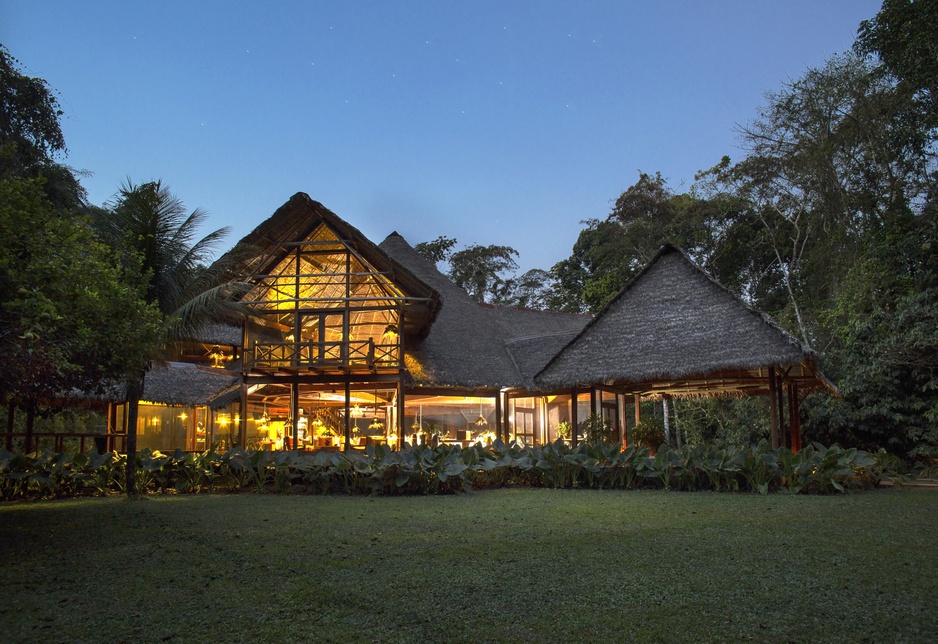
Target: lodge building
[(351, 343)]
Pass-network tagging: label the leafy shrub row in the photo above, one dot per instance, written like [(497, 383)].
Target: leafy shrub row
[(448, 469)]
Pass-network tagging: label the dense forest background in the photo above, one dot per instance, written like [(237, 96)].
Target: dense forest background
[(828, 221)]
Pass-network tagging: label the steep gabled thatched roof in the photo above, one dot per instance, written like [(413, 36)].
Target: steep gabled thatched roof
[(298, 218), (675, 330), (465, 346), (181, 383)]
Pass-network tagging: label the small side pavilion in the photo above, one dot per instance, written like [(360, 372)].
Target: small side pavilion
[(676, 332)]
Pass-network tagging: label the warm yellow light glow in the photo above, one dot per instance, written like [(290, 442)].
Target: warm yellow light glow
[(218, 357), (183, 416)]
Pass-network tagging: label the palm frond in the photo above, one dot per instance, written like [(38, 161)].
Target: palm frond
[(217, 304)]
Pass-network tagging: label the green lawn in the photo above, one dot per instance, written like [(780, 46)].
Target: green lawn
[(509, 565)]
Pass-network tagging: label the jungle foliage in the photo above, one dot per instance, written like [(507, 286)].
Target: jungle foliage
[(449, 469)]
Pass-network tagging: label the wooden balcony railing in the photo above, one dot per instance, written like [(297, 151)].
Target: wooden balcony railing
[(357, 353)]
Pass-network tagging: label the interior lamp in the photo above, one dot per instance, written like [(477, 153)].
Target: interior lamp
[(480, 421)]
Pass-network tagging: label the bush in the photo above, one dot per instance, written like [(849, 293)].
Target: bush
[(450, 469), (648, 433)]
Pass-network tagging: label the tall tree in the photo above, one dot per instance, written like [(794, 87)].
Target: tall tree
[(30, 134), (436, 251), (609, 252), (148, 222), (841, 173), (534, 289), (71, 318), (481, 270), (904, 35)]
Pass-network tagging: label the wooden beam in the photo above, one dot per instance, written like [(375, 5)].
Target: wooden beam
[(773, 410), (574, 422), (401, 425), (794, 403), (348, 416), (780, 394), (500, 430)]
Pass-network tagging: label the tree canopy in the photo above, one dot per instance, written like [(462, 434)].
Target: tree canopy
[(31, 137)]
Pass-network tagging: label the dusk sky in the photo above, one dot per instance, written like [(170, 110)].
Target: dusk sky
[(491, 122)]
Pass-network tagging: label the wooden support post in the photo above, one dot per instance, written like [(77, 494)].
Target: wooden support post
[(500, 431), (348, 414), (242, 414), (773, 409), (620, 412), (292, 442), (401, 424), (794, 413), (638, 409), (573, 419), (780, 389)]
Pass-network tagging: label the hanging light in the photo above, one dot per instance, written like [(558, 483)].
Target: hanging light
[(218, 357), (480, 421), (390, 332)]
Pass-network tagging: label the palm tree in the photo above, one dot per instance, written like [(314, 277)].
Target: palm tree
[(150, 226)]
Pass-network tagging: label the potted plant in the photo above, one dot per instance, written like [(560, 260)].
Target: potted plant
[(563, 430), (324, 436), (432, 433)]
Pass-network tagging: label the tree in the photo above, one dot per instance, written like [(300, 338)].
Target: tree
[(532, 290), (480, 269), (610, 252), (57, 284), (904, 35), (436, 251), (148, 222), (841, 175), (30, 135)]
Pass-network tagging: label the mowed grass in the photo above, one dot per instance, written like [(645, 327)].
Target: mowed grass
[(505, 565)]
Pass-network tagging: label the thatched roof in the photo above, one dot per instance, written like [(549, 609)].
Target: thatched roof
[(181, 383), (218, 333), (473, 345), (676, 330), (465, 346), (298, 218), (531, 354)]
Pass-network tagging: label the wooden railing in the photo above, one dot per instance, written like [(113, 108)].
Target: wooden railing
[(356, 353)]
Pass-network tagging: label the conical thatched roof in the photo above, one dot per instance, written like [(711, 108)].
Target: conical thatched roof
[(675, 330), (181, 383), (298, 218)]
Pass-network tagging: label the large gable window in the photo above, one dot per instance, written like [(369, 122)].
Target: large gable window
[(321, 305)]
